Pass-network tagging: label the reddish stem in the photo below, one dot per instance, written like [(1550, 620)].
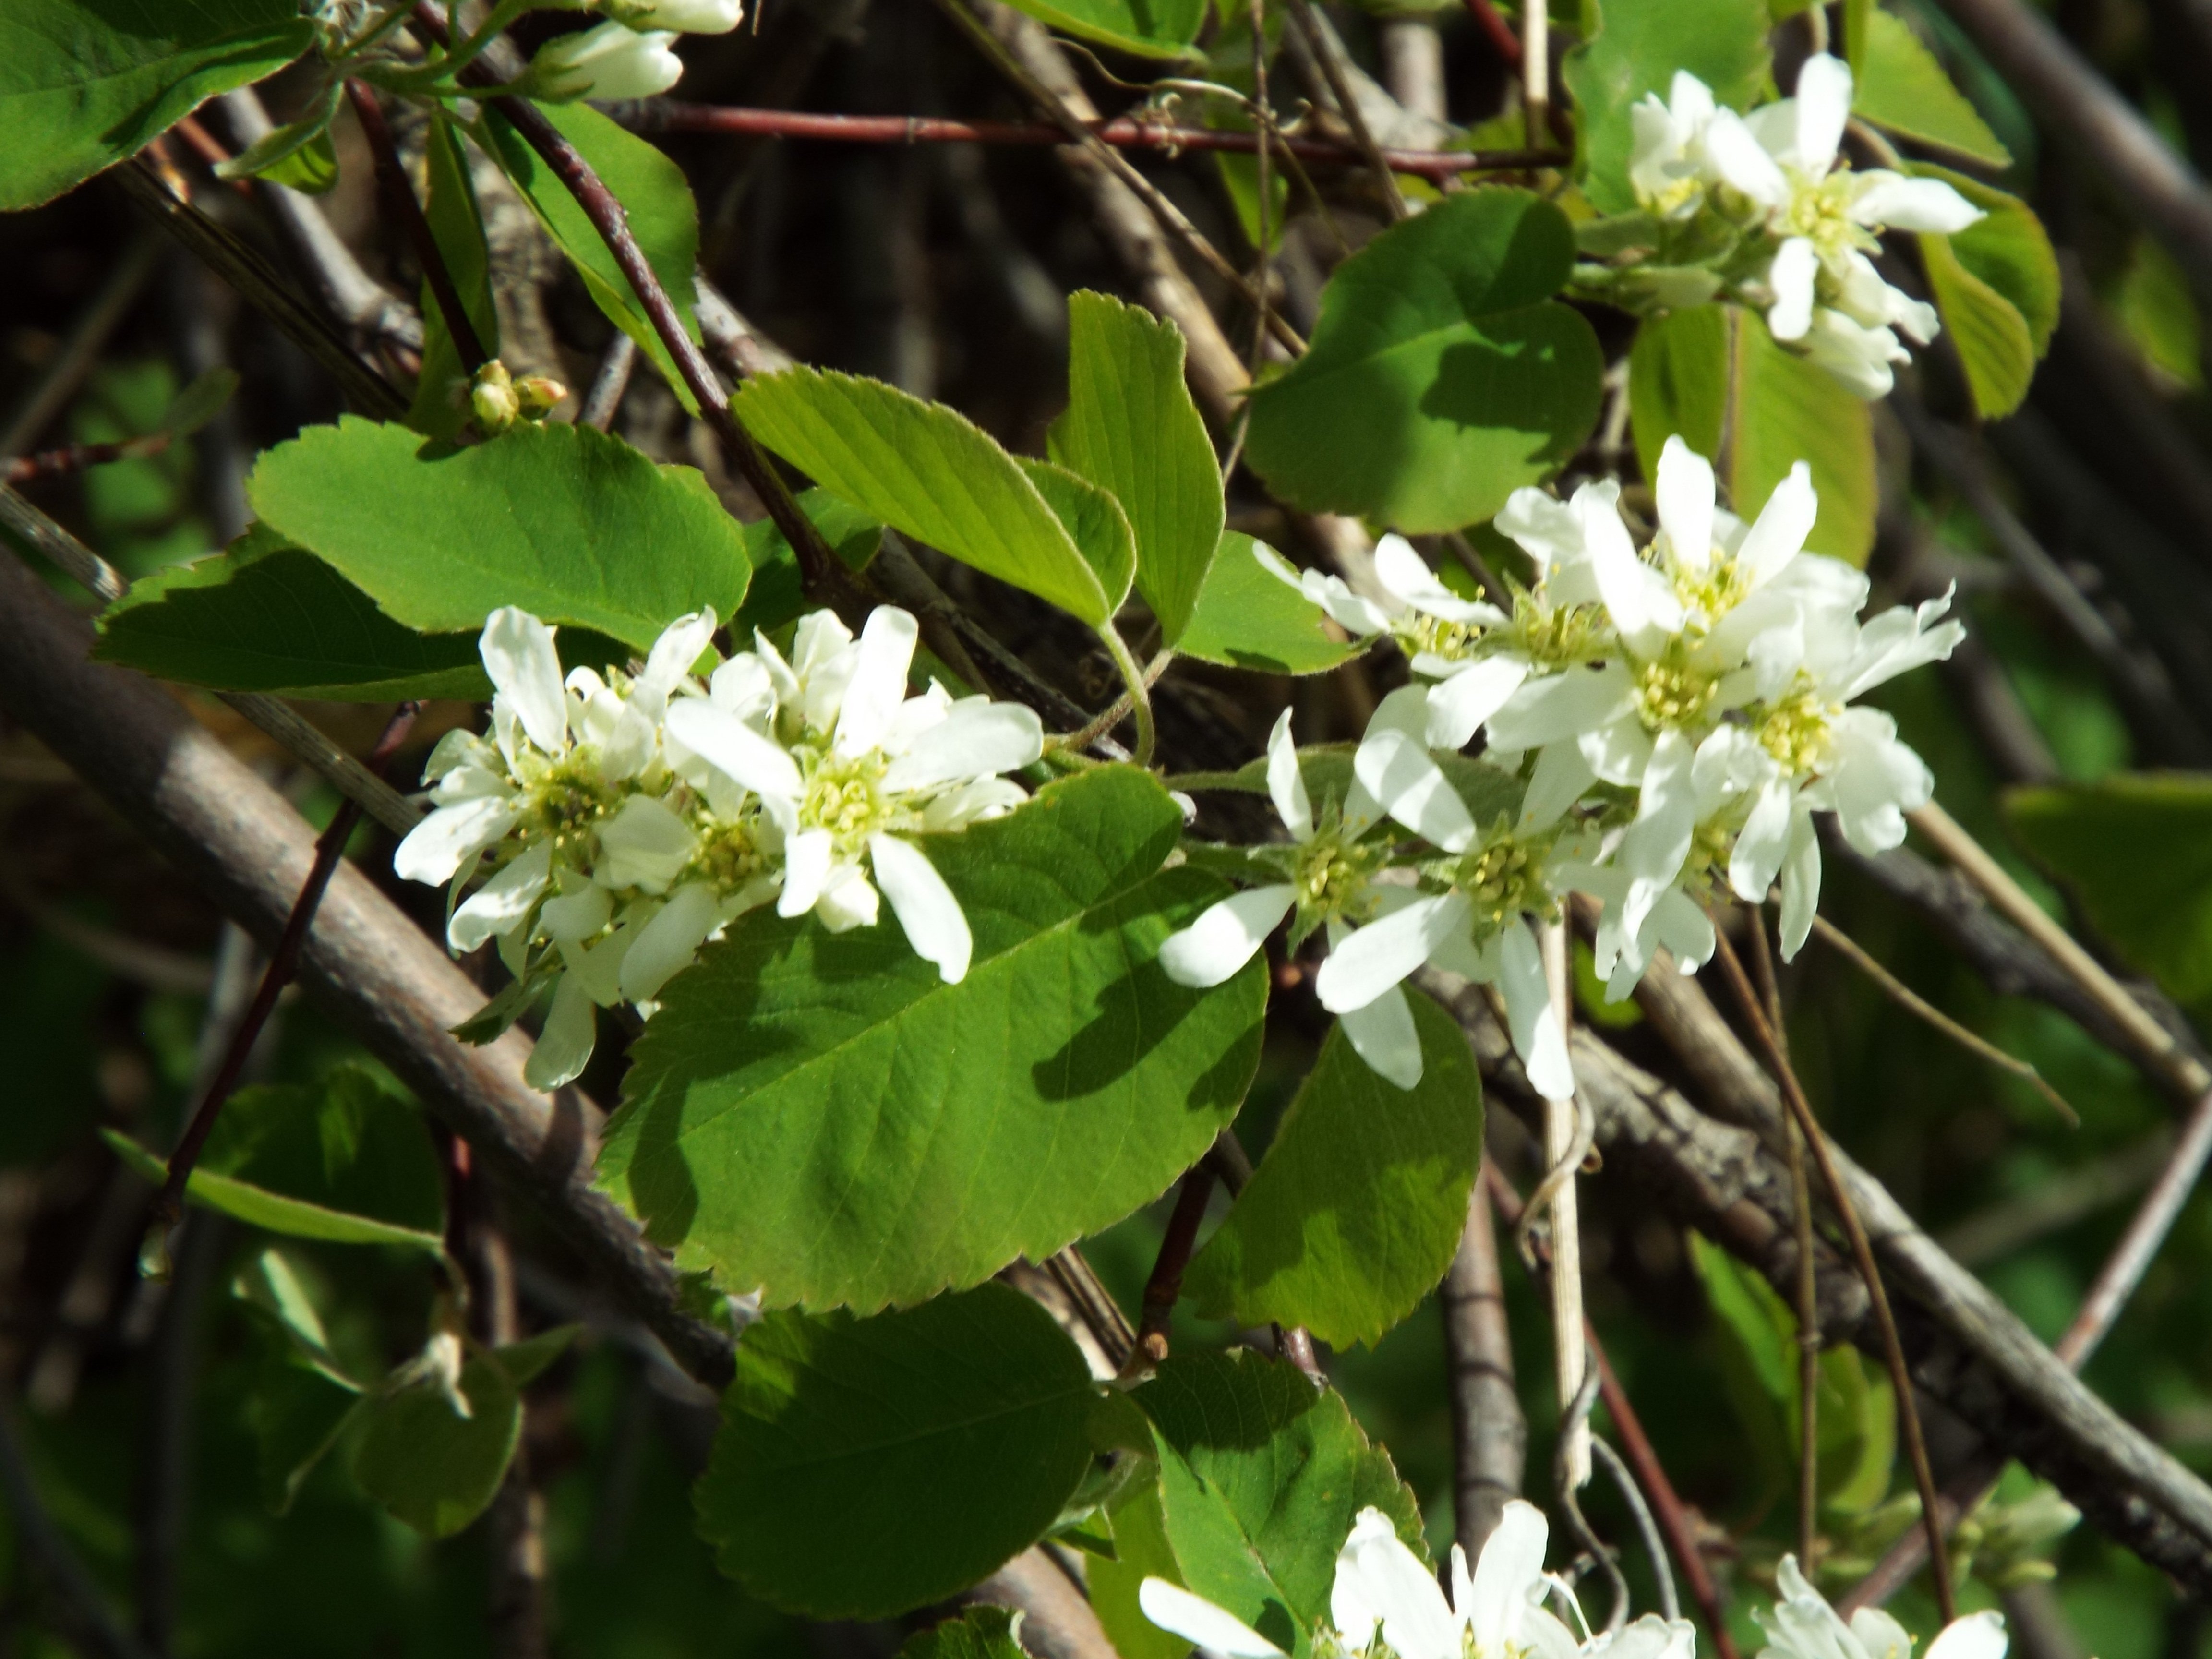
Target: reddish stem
[(1165, 1285), (399, 197), (1499, 33)]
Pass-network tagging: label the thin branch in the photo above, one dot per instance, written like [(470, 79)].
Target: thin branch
[(72, 459), (609, 383), (1900, 1374), (1165, 1285), (79, 350), (1906, 998), (1490, 1434), (1339, 86), (1496, 31), (1568, 1131), (399, 200), (1536, 71), (164, 1493), (655, 115)]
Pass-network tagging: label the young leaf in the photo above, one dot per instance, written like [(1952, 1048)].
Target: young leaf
[(2010, 250), (1899, 85), (655, 197), (82, 87), (867, 1466), (1261, 1475), (820, 1114), (298, 1414), (298, 153), (1150, 29), (1442, 377), (430, 1465), (442, 403), (1986, 329), (2137, 850), (984, 1633), (1716, 368), (353, 1165), (928, 472), (1247, 617), (1132, 428), (1357, 1209), (1094, 521), (1632, 48), (265, 616), (573, 525)]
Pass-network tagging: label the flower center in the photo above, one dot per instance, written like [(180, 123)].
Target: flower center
[(845, 797), (1795, 730), (729, 855), (1708, 595), (1503, 879), (1331, 878), (1555, 635), (1819, 211), (1672, 693), (1421, 632), (567, 799)]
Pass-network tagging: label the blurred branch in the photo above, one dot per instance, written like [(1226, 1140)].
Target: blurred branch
[(1490, 1434), (2057, 1201), (78, 351)]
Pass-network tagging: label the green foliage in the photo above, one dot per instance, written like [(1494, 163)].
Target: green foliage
[(1632, 48), (1132, 428), (1899, 85), (2152, 303), (777, 596), (1714, 371), (1246, 617), (822, 1116), (573, 525), (867, 1466), (430, 1465), (1357, 1209), (298, 153), (441, 404), (655, 197), (985, 1632), (933, 474), (1261, 1475), (85, 83), (266, 617), (1442, 376), (2137, 850), (352, 1165), (1997, 285), (1150, 29), (1141, 1550)]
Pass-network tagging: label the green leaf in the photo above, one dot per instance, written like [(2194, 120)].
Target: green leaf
[(1986, 329), (84, 83), (1632, 48), (1094, 521), (1687, 370), (2010, 250), (776, 595), (441, 404), (1141, 1550), (1261, 1475), (1150, 29), (298, 1414), (271, 1286), (1897, 84), (265, 616), (655, 196), (821, 1115), (2153, 302), (430, 1465), (1248, 617), (930, 473), (573, 525), (298, 153), (867, 1466), (352, 1165), (2137, 850), (524, 1362), (985, 1632), (1442, 376), (1132, 428), (1358, 1208)]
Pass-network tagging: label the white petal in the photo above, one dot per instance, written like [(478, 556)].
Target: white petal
[(730, 746), (1617, 752), (1383, 1036), (1562, 706), (453, 836), (935, 924), (805, 871), (1225, 936), (976, 739), (744, 687), (575, 917), (1977, 1636), (1824, 105), (680, 645), (1382, 954), (1510, 1565), (564, 1045), (518, 654), (1685, 503), (1286, 784), (877, 687), (1562, 774), (1198, 1621), (1537, 1037), (1784, 523), (1655, 846), (1642, 602), (1792, 276), (503, 902), (664, 946), (1763, 842), (1398, 771), (1801, 885), (1388, 1577), (1927, 206), (849, 900), (1742, 161), (985, 798), (1459, 705), (644, 845), (1407, 575)]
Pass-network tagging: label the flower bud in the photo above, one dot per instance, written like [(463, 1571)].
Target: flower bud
[(684, 16), (493, 398), (612, 61), (537, 394)]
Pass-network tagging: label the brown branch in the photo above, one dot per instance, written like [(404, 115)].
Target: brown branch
[(61, 375), (399, 201), (79, 458), (1489, 1433), (1165, 1286), (657, 115), (1327, 57)]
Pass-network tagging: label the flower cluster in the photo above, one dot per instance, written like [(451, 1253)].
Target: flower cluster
[(1385, 1604), (1676, 716), (631, 55), (1762, 205), (619, 823)]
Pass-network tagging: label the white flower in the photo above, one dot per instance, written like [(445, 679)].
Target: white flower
[(847, 767), (683, 16), (612, 61), (1383, 1591), (1803, 1625), (1782, 162), (1668, 168), (1328, 883)]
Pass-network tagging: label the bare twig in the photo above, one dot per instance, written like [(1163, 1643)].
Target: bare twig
[(79, 458), (1566, 1141), (1536, 71), (1165, 1286), (1327, 58), (608, 385), (1489, 1435), (1496, 31), (78, 350)]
